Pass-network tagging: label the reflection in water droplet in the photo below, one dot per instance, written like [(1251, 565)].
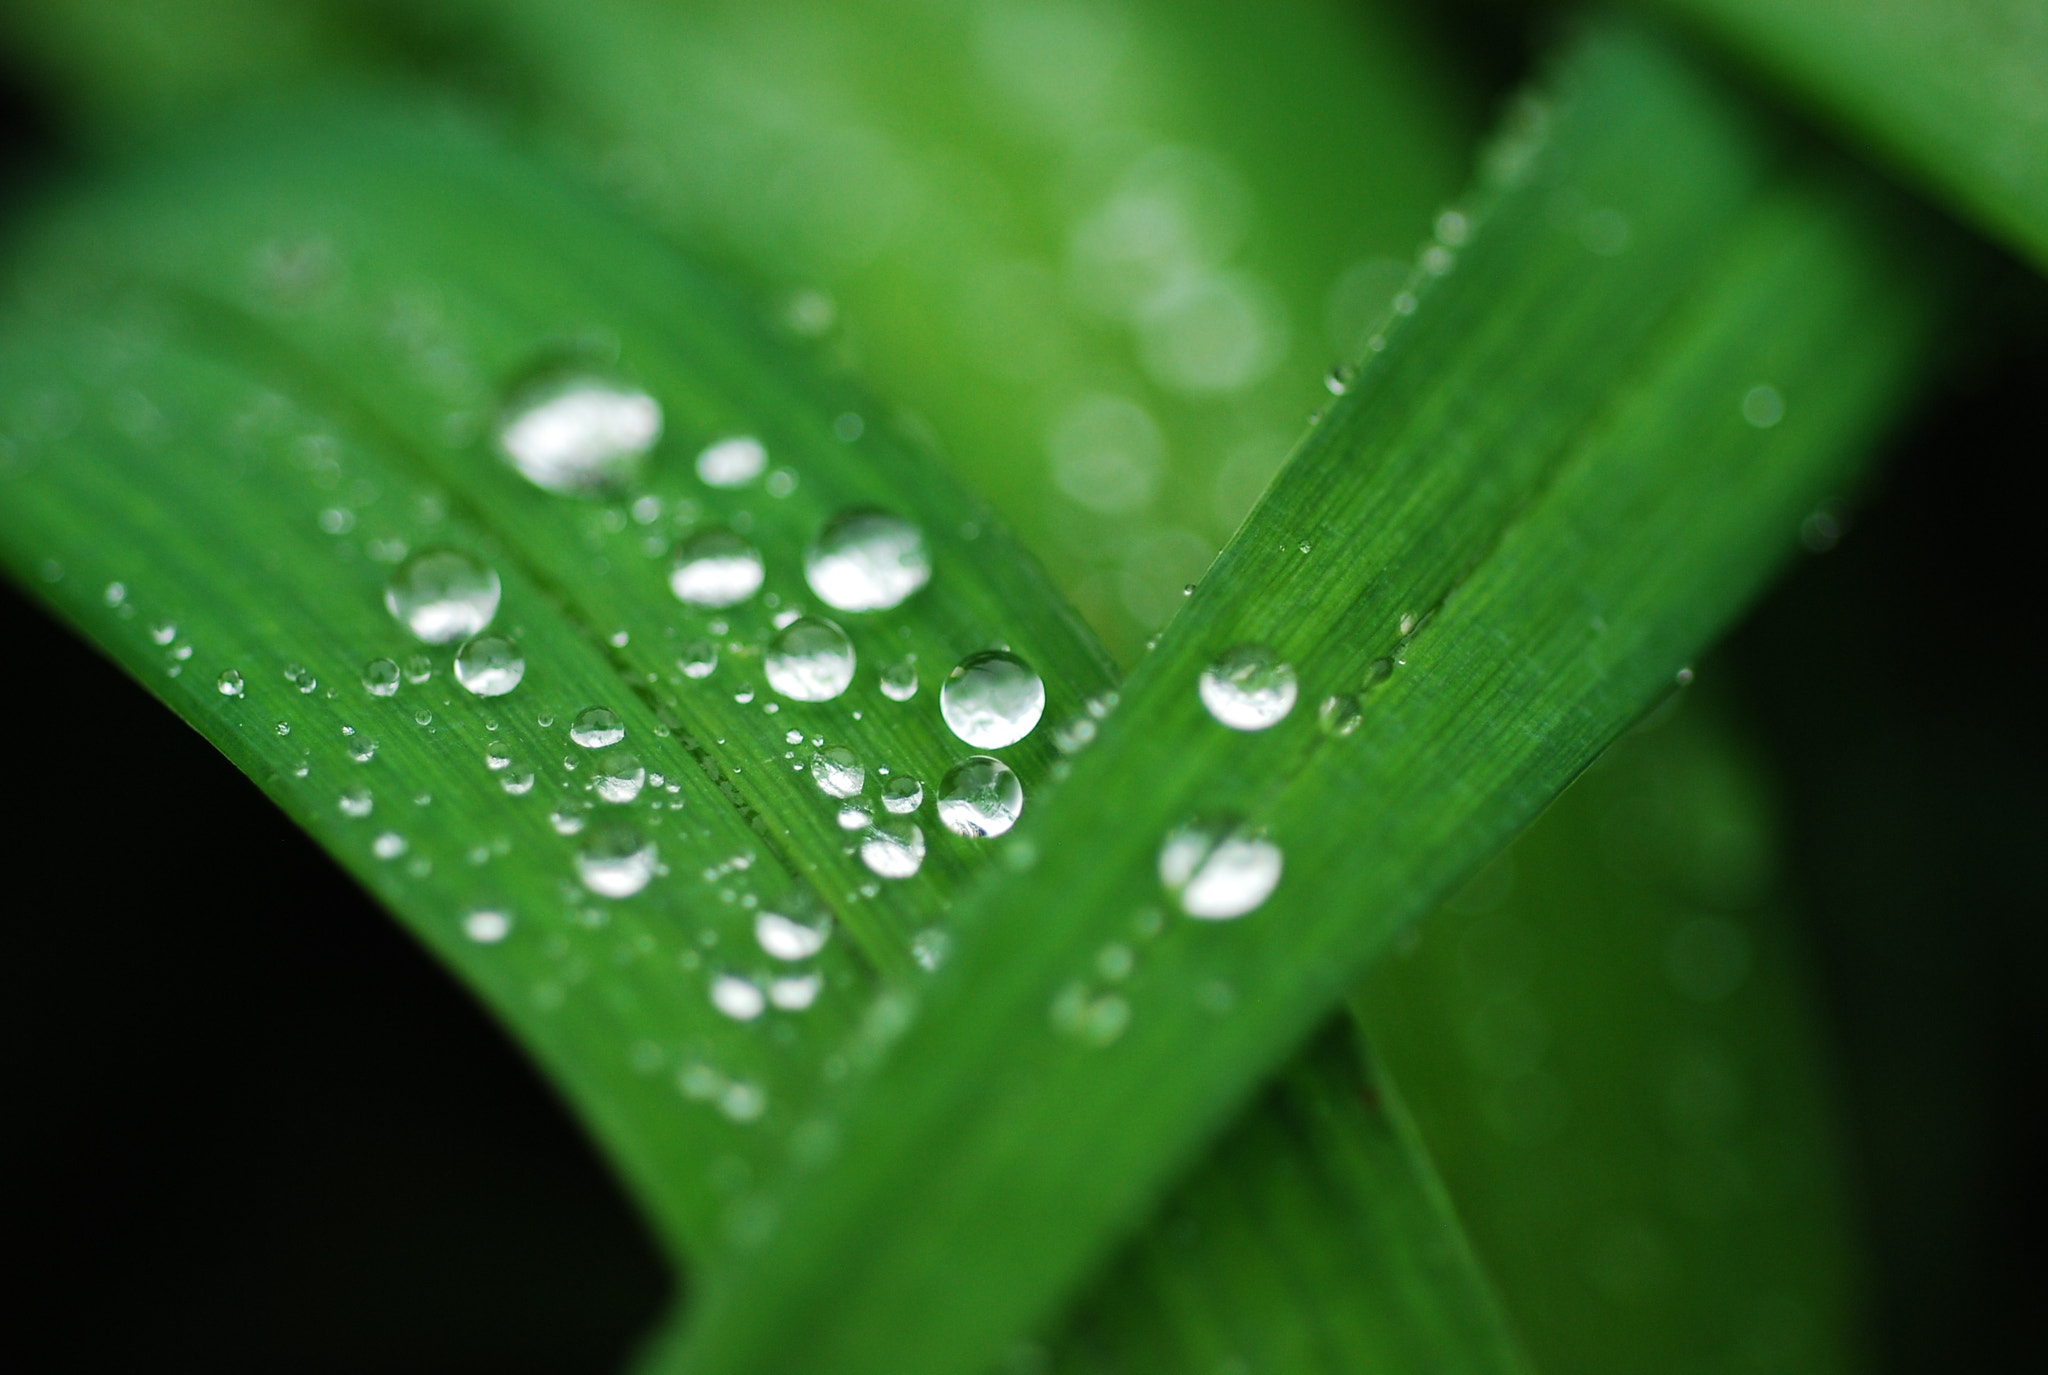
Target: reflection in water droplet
[(1339, 714), (787, 939), (737, 998), (903, 794), (229, 683), (356, 802), (894, 848), (979, 797), (715, 568), (486, 926), (810, 660), (732, 462), (992, 699), (615, 862), (578, 433), (1216, 869), (441, 595), (867, 561), (899, 680), (698, 659), (380, 677), (1249, 688), (596, 727), (489, 665), (619, 777), (838, 771)]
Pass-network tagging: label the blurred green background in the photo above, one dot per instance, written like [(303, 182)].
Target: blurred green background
[(1103, 256)]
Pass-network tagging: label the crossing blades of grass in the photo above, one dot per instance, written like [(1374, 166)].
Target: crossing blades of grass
[(1631, 367), (1955, 90)]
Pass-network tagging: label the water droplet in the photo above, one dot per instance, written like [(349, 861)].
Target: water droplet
[(423, 717), (745, 694), (497, 756), (899, 680), (389, 845), (163, 632), (284, 728), (489, 665), (1115, 961), (1248, 688), (1339, 714), (856, 816), (1074, 736), (787, 939), (116, 593), (301, 677), (1095, 1020), (796, 993), (838, 771), (441, 595), (578, 433), (980, 797), (698, 659), (615, 862), (1763, 407), (229, 683), (356, 802), (737, 998), (487, 926), (930, 947), (570, 816), (903, 794), (619, 777), (992, 699), (715, 568), (732, 462), (361, 748), (518, 784), (867, 561), (380, 677), (894, 848), (1338, 381), (810, 660), (1216, 869), (418, 669), (596, 727)]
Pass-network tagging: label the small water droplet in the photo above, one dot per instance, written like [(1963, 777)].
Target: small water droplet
[(732, 462), (715, 568), (855, 816), (1074, 736), (1249, 688), (116, 593), (441, 595), (1339, 714), (569, 816), (930, 947), (489, 665), (867, 561), (787, 939), (810, 660), (848, 427), (1216, 869), (618, 778), (902, 794), (745, 694), (980, 797), (1115, 961), (698, 659), (518, 784), (423, 717), (163, 632), (284, 728), (380, 677), (1763, 407), (899, 680), (418, 669), (797, 992), (361, 748), (737, 998), (356, 802), (894, 848), (838, 771), (487, 926), (497, 756), (992, 699), (575, 432), (389, 845), (596, 727), (616, 861), (229, 683), (1338, 379)]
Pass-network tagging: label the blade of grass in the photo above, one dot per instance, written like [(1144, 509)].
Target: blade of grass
[(1563, 474), (1956, 91)]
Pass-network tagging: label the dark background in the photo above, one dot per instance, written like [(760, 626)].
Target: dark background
[(253, 1127)]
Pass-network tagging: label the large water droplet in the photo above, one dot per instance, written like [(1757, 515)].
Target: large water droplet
[(380, 677), (903, 794), (489, 665), (810, 660), (616, 861), (867, 561), (1216, 869), (1249, 688), (596, 727), (992, 699), (441, 595), (899, 680), (980, 796), (732, 462), (838, 771), (788, 939), (715, 568), (619, 777), (578, 433), (894, 848)]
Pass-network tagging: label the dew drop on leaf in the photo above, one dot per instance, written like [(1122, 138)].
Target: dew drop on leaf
[(487, 926), (1249, 688), (737, 998), (418, 669), (902, 794), (489, 665), (838, 771), (715, 568), (518, 784), (596, 727), (619, 777), (356, 802), (980, 797), (810, 660), (570, 816), (163, 632), (732, 462), (380, 677), (867, 561), (992, 699), (616, 861), (1216, 869), (787, 939), (229, 683), (795, 993), (698, 659), (576, 432), (497, 756), (441, 595), (389, 845), (894, 848), (899, 680), (855, 816), (1339, 714)]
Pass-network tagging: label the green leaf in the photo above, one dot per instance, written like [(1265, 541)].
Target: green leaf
[(1593, 438), (1955, 91)]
